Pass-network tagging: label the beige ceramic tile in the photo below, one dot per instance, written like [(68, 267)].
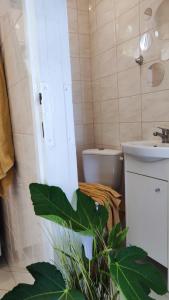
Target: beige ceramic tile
[(155, 106), (72, 4), (86, 88), (83, 5), (74, 44), (123, 6), (147, 74), (76, 91), (127, 53), (110, 134), (75, 68), (84, 45), (129, 82), (106, 38), (108, 87), (128, 25), (20, 105), (83, 22), (85, 68), (110, 111), (147, 22), (130, 109), (105, 12), (130, 132), (72, 20)]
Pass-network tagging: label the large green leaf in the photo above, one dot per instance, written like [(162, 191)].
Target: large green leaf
[(49, 285), (52, 204), (135, 276)]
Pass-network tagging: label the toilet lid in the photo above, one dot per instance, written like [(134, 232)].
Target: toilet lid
[(112, 152)]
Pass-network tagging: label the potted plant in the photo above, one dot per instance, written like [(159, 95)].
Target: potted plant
[(114, 270)]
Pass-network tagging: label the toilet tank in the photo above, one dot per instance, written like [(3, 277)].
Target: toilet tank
[(103, 166)]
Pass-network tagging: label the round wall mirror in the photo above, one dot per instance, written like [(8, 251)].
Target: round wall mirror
[(155, 74), (145, 42), (162, 20)]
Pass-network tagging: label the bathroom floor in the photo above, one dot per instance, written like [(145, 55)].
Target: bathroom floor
[(10, 278)]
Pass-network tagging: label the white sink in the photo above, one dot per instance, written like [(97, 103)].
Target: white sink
[(147, 150)]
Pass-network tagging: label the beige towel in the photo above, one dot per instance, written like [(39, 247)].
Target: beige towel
[(104, 195), (6, 143)]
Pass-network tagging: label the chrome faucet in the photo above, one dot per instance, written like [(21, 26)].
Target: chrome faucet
[(164, 134)]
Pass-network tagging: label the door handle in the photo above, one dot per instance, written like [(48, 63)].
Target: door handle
[(157, 190)]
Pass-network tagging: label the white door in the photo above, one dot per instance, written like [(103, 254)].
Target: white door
[(49, 60), (146, 213)]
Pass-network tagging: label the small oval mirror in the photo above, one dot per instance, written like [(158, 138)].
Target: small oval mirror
[(162, 20), (145, 42), (155, 74)]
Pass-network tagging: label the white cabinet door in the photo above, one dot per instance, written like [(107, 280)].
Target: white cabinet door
[(146, 215)]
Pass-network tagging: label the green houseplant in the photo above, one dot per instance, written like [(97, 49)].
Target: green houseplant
[(114, 270)]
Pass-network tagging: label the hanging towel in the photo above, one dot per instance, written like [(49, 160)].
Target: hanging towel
[(104, 195), (6, 142)]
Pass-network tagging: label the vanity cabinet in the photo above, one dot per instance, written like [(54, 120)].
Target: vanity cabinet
[(147, 207)]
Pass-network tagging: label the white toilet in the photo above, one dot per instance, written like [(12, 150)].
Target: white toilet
[(103, 166)]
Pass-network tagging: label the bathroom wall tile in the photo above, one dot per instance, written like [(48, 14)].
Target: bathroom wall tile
[(128, 25), (5, 27), (106, 38), (155, 106), (96, 90), (92, 19), (72, 20), (87, 113), (72, 4), (105, 12), (84, 45), (130, 132), (14, 61), (85, 68), (153, 51), (129, 82), (74, 44), (25, 157), (76, 91), (84, 135), (20, 106), (130, 109), (146, 78), (75, 68), (147, 22), (83, 5), (97, 112), (127, 53), (110, 111), (110, 135), (86, 88), (78, 113), (106, 63), (108, 87), (83, 22), (98, 138), (123, 6)]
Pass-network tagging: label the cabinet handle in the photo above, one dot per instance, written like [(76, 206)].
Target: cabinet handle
[(157, 190)]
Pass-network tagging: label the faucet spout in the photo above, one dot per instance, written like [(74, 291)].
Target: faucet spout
[(164, 134)]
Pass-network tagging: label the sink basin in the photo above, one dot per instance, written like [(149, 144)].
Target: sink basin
[(147, 150)]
